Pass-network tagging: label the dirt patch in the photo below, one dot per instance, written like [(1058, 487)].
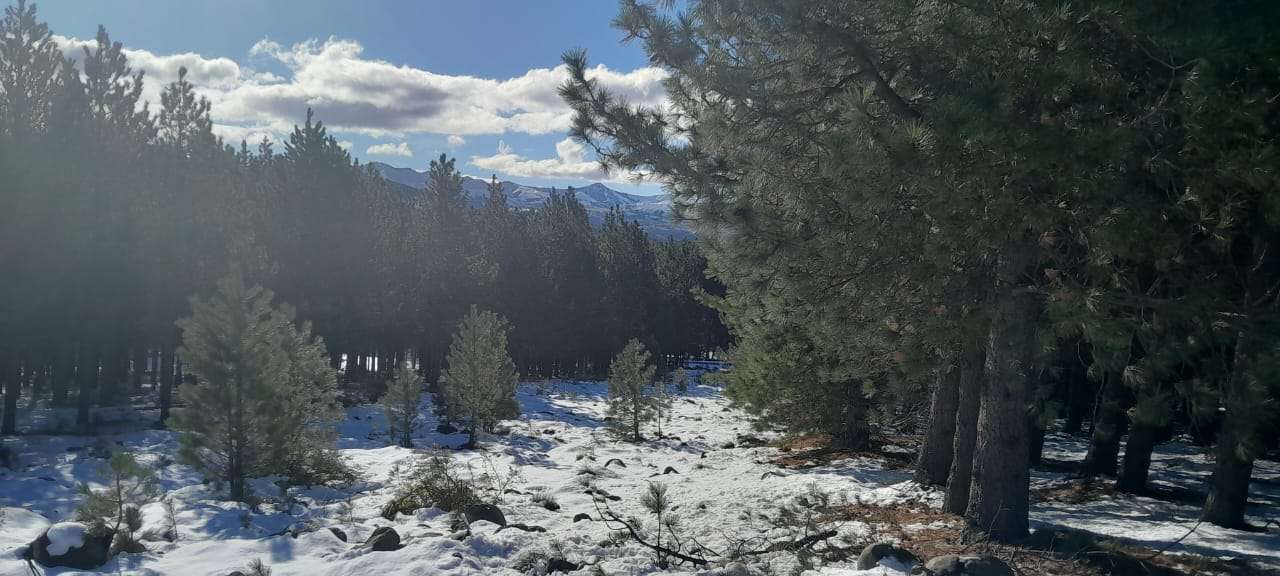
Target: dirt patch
[(929, 533), (806, 451), (1073, 491)]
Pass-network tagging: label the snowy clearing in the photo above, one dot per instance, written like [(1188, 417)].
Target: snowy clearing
[(720, 492)]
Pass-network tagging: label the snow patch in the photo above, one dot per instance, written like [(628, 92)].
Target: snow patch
[(64, 536)]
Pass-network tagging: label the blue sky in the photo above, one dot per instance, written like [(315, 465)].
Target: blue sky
[(474, 80)]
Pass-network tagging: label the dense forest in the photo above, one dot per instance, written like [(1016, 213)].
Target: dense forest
[(1027, 210), (117, 214), (977, 226)]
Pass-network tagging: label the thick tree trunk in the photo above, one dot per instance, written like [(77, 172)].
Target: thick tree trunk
[(969, 401), (1109, 425), (998, 499), (1229, 485), (1035, 438), (1080, 390), (9, 378), (854, 432), (167, 384), (939, 441), (1137, 459)]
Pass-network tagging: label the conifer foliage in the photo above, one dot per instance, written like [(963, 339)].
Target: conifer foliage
[(400, 404), (631, 404), (264, 399), (478, 386)]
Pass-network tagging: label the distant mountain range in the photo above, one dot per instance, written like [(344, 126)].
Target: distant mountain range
[(652, 212)]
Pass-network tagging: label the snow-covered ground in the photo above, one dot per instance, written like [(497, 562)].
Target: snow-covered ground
[(722, 494), (1158, 523)]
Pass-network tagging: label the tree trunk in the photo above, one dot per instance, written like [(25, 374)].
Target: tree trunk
[(855, 433), (60, 378), (1137, 459), (87, 374), (12, 383), (1035, 436), (167, 378), (998, 499), (139, 366), (1080, 390), (1229, 485), (1109, 424), (154, 360), (968, 403), (939, 441)]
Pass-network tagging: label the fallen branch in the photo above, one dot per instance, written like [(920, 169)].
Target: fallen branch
[(608, 516), (794, 545)]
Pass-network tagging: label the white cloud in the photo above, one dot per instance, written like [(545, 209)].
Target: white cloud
[(456, 141), (570, 163), (352, 93), (389, 149), (253, 135), (345, 144)]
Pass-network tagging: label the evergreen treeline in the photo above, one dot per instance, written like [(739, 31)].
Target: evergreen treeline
[(1003, 209), (116, 214)]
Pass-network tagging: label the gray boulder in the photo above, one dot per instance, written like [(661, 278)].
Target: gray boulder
[(477, 512), (93, 551), (384, 539), (872, 556), (954, 565)]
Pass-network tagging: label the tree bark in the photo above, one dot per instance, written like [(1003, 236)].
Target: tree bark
[(854, 433), (60, 378), (1080, 390), (139, 366), (1229, 485), (87, 375), (1035, 436), (1109, 425), (12, 383), (1137, 459), (968, 404), (166, 383), (998, 499), (939, 441)]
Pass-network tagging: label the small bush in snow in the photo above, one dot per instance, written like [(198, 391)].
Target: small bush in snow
[(129, 486), (546, 500), (681, 379), (436, 481)]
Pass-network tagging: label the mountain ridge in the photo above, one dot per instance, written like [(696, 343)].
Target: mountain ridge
[(653, 213)]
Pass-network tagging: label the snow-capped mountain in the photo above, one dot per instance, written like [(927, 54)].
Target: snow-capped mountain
[(652, 212)]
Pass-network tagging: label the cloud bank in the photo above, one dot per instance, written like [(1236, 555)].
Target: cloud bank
[(355, 94), (389, 149)]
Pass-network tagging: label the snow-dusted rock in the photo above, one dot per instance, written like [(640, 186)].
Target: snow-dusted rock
[(477, 512), (884, 552), (953, 565), (384, 539), (72, 544)]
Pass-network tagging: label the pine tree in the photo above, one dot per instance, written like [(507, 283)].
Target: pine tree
[(130, 485), (400, 404), (264, 398), (478, 385), (630, 404)]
